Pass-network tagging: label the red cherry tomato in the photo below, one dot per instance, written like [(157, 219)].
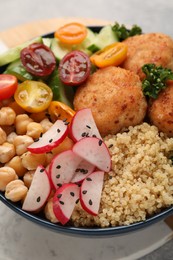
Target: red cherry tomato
[(74, 68), (8, 85), (38, 59)]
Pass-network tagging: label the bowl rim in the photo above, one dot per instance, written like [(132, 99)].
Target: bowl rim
[(84, 231)]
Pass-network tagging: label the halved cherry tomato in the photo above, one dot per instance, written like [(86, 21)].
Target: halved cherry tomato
[(71, 33), (8, 85), (113, 54), (59, 110), (38, 59), (74, 68), (33, 96)]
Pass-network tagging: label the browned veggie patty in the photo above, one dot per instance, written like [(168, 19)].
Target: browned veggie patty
[(161, 110), (115, 98), (154, 48)]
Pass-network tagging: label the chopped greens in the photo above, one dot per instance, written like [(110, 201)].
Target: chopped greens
[(155, 81), (123, 33)]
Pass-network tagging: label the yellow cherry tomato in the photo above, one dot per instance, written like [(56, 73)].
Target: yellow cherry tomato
[(113, 54), (33, 96), (59, 110), (71, 33)]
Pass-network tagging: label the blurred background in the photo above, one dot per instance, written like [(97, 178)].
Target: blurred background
[(150, 15), (155, 15)]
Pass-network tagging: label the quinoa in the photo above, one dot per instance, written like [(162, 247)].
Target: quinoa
[(140, 183)]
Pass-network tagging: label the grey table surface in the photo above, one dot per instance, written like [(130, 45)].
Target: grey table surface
[(151, 15)]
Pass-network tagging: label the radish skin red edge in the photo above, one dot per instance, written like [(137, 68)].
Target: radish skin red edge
[(38, 192), (95, 151), (90, 192), (52, 138), (64, 201), (83, 125)]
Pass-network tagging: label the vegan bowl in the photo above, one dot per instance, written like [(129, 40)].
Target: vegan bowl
[(87, 129)]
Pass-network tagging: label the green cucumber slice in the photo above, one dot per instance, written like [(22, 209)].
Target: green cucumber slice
[(47, 41), (105, 37), (14, 53), (17, 69), (60, 50)]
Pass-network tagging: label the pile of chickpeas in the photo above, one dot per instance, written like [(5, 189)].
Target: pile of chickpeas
[(17, 165)]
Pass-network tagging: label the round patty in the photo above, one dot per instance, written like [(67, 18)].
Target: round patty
[(154, 48), (115, 98), (161, 110)]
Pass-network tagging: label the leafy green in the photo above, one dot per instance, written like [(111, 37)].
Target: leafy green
[(155, 81), (123, 33)]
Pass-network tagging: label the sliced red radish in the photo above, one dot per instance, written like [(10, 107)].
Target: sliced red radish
[(62, 167), (82, 171), (94, 151), (64, 201), (90, 192), (83, 125), (38, 192), (52, 138)]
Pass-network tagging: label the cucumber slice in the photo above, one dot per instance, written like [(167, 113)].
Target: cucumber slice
[(89, 40), (60, 50), (14, 53), (60, 91), (105, 37), (47, 41), (17, 69)]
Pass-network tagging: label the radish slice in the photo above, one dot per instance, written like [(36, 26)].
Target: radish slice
[(82, 171), (83, 125), (64, 201), (94, 151), (52, 138), (68, 167), (90, 192), (62, 167), (38, 192)]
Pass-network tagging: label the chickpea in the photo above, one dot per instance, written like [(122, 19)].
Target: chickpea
[(11, 137), (8, 128), (18, 110), (16, 190), (7, 116), (30, 160), (48, 211), (21, 142), (27, 178), (65, 145), (49, 157), (7, 152), (34, 130), (46, 124), (16, 164), (21, 123), (3, 136), (7, 174), (37, 117)]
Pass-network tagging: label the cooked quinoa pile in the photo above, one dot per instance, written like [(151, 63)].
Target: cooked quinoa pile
[(141, 181)]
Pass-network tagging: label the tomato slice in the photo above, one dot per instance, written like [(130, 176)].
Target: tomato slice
[(38, 59), (59, 110), (8, 85), (74, 68), (113, 54), (33, 96), (71, 33)]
